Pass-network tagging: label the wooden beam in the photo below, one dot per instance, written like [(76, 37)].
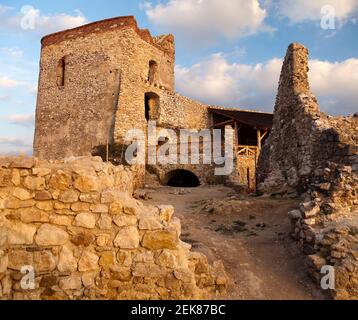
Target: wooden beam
[(236, 134), (264, 135), (223, 123)]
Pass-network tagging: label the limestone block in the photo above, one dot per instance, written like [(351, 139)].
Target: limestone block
[(35, 183), (43, 196), (69, 196), (115, 208), (84, 238), (88, 261), (22, 163), (73, 282), (60, 220), (44, 261), (16, 178), (22, 194), (29, 215), (127, 238), (41, 172), (105, 222), (20, 233), (124, 220), (309, 209), (86, 183), (67, 262), (19, 258), (99, 208), (60, 181), (49, 235), (85, 220), (80, 206), (160, 239), (166, 212), (5, 177), (149, 222), (17, 204)]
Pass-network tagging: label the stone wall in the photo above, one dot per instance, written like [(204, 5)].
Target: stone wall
[(76, 223), (105, 81), (316, 156)]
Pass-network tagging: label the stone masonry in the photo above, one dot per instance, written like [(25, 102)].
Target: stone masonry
[(316, 156), (76, 224)]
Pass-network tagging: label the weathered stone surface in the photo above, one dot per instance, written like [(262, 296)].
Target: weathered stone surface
[(60, 181), (5, 177), (127, 238), (105, 222), (16, 178), (99, 208), (80, 206), (21, 233), (124, 220), (41, 172), (309, 209), (85, 220), (43, 196), (67, 261), (17, 204), (60, 220), (72, 282), (45, 205), (49, 235), (166, 212), (160, 239), (29, 215), (83, 239), (115, 208), (22, 194), (35, 183), (44, 261), (19, 258), (88, 261), (69, 196), (22, 163), (86, 184), (150, 222)]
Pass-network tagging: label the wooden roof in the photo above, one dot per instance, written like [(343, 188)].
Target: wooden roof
[(258, 120)]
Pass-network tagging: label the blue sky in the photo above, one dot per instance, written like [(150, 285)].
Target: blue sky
[(228, 52)]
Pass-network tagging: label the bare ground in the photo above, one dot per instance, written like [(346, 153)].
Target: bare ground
[(250, 235)]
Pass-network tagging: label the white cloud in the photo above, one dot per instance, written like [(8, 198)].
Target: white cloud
[(308, 10), (15, 146), (218, 82), (6, 82), (12, 52), (30, 19), (26, 120), (208, 20)]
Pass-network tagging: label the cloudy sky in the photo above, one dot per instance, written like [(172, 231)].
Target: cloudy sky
[(229, 52)]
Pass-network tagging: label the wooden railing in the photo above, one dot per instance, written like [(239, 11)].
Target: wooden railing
[(247, 151)]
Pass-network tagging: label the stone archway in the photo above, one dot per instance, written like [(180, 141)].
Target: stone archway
[(181, 178)]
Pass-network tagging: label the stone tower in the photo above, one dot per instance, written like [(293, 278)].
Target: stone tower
[(96, 82)]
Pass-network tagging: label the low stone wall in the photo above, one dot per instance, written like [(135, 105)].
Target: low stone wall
[(76, 224), (334, 244)]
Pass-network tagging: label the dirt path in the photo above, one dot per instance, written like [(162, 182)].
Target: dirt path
[(250, 235)]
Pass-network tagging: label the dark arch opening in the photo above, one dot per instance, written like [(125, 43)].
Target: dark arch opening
[(151, 101), (182, 179)]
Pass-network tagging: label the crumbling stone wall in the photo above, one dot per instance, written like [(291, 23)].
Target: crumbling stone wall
[(308, 150), (76, 223), (317, 156)]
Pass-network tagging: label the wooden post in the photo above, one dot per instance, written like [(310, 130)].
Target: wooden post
[(259, 139), (236, 134), (107, 151)]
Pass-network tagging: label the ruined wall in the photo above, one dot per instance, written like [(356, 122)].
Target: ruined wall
[(105, 81), (308, 150), (76, 223), (317, 156)]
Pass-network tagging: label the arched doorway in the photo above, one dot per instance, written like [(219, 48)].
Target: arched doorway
[(182, 179)]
